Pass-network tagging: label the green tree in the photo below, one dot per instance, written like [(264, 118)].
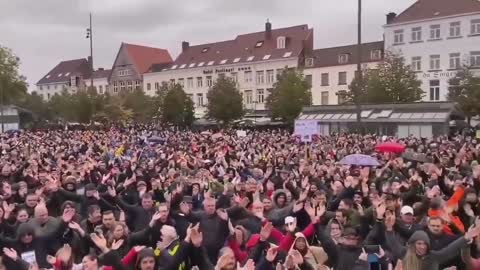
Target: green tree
[(13, 86), (177, 107), (464, 89), (140, 104), (289, 94), (225, 103), (391, 82), (35, 104)]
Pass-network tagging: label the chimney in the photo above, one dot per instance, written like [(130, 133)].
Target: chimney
[(185, 46), (390, 17), (268, 30)]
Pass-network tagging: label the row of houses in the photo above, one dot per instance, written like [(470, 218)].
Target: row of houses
[(435, 37)]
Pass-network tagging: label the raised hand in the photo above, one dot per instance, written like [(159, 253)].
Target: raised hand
[(155, 218), (249, 265), (196, 237), (297, 206), (266, 231), (68, 215), (99, 241), (74, 226), (117, 244), (138, 248), (222, 214), (11, 253), (111, 191), (297, 257), (271, 254), (381, 208), (96, 195)]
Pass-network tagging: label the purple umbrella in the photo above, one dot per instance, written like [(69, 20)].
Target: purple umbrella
[(359, 160)]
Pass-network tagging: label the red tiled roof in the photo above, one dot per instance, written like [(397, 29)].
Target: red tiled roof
[(144, 57), (65, 70), (244, 46), (328, 57), (427, 9)]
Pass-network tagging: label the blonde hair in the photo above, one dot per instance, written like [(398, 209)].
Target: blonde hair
[(411, 260)]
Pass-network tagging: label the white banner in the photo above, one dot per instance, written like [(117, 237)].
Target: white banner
[(305, 129)]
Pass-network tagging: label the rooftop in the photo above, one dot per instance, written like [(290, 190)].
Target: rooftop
[(428, 9), (65, 70), (144, 57)]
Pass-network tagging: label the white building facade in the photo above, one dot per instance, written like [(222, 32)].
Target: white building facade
[(252, 60), (436, 39), (331, 70)]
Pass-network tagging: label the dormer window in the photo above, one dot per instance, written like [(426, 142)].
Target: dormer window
[(210, 63), (48, 76), (66, 74), (201, 64), (236, 60), (174, 66), (183, 65), (59, 75), (309, 62), (287, 54), (250, 58), (343, 58), (376, 54), (204, 50), (223, 61), (266, 57), (281, 43), (259, 44), (191, 65)]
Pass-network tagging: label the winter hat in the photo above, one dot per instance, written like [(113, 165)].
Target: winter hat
[(419, 236)]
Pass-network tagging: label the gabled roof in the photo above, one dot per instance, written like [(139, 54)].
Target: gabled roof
[(328, 57), (428, 9), (65, 70), (144, 57), (247, 48)]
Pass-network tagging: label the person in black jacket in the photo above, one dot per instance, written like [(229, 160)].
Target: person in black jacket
[(34, 248), (140, 214)]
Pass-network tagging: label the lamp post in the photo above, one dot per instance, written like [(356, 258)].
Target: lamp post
[(90, 36), (359, 68)]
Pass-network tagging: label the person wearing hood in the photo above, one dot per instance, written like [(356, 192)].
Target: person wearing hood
[(280, 208), (313, 255), (417, 255), (33, 247)]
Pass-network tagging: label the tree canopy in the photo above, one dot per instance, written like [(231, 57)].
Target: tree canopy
[(13, 86), (391, 82), (289, 94), (177, 107), (225, 103), (464, 89)]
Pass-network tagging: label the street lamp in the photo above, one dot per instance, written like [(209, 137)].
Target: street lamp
[(90, 36)]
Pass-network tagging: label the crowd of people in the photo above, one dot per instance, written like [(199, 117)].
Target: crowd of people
[(148, 199)]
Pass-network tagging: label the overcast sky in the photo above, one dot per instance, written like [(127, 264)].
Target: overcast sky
[(44, 32)]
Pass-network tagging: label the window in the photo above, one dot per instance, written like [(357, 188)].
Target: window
[(204, 50), (309, 62), (324, 100), (190, 96), (200, 100), (48, 96), (259, 44), (416, 34), (191, 65), (248, 97), (260, 77), (248, 76), (201, 64), (210, 63), (190, 82), (181, 82), (234, 76), (308, 79), (123, 72), (454, 60), (199, 82), (342, 78), (287, 54), (455, 29), (260, 96), (341, 95), (130, 85), (281, 43), (434, 62), (250, 58), (172, 82), (279, 73), (157, 86), (48, 87), (376, 54), (270, 76), (138, 85), (209, 81), (324, 79), (343, 58), (115, 87), (100, 89), (435, 31), (174, 66), (223, 61), (416, 63), (55, 86), (398, 37), (236, 60), (475, 59), (122, 86), (60, 75), (41, 87), (149, 86), (475, 27), (434, 90), (266, 57)]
